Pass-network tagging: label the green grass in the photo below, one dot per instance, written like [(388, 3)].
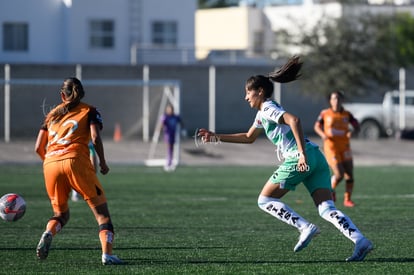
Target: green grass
[(205, 220)]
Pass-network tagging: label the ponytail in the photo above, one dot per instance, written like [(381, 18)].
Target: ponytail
[(73, 91), (288, 72)]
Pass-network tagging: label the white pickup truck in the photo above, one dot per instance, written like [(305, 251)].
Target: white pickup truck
[(378, 119)]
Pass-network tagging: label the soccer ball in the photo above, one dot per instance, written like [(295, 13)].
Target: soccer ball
[(12, 207)]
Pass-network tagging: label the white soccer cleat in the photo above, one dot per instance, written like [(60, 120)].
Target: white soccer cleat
[(44, 245), (111, 260), (306, 236), (362, 248)]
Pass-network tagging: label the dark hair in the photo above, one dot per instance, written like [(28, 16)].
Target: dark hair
[(339, 93), (287, 73), (73, 90)]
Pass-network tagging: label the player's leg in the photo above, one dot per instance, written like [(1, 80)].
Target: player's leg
[(170, 154), (334, 160), (344, 224), (337, 176), (269, 201), (106, 231), (88, 185), (318, 186), (349, 183), (58, 189)]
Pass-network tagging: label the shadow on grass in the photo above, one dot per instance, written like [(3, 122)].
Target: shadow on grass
[(132, 261), (135, 261)]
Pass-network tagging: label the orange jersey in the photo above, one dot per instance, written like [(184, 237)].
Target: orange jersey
[(336, 126), (69, 137)]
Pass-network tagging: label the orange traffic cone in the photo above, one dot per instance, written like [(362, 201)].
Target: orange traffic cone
[(117, 133)]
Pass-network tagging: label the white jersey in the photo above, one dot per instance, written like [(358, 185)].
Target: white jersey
[(279, 134)]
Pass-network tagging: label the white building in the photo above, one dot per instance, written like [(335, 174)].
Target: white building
[(97, 31), (254, 28), (155, 31)]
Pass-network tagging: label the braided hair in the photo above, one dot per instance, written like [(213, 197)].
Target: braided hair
[(287, 73), (73, 92)]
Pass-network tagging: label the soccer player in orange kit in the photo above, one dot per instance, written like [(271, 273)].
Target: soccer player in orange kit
[(332, 126), (62, 144)]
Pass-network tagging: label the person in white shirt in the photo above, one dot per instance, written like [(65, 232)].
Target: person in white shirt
[(302, 162)]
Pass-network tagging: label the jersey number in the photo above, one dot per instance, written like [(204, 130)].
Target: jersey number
[(72, 126)]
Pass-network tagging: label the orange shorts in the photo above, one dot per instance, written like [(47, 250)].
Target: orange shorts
[(337, 154), (62, 176)]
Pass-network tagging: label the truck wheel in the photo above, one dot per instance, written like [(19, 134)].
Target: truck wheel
[(370, 130)]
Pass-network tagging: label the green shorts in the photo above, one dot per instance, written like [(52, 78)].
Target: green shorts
[(317, 175)]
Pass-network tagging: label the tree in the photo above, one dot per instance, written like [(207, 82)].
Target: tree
[(355, 54), (404, 39)]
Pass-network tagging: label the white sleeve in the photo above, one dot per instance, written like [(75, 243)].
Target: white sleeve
[(258, 121), (273, 113)]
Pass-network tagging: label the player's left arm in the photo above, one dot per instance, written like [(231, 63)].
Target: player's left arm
[(296, 127), (354, 123), (98, 145), (95, 125)]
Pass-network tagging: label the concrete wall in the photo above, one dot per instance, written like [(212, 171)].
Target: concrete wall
[(123, 105)]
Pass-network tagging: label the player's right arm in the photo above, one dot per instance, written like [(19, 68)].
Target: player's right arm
[(318, 127), (249, 137), (41, 142)]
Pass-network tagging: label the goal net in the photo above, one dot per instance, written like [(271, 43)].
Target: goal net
[(140, 106), (133, 105)]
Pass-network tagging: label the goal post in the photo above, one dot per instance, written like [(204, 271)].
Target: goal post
[(121, 101)]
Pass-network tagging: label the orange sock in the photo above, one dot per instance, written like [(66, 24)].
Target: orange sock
[(106, 237), (349, 186), (53, 226)]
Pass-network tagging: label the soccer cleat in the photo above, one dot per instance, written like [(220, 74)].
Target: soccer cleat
[(44, 245), (362, 248), (111, 260), (349, 203), (306, 236)]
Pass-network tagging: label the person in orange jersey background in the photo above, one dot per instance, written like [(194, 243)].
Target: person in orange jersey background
[(333, 126)]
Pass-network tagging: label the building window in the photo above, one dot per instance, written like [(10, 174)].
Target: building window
[(164, 33), (16, 37), (101, 34)]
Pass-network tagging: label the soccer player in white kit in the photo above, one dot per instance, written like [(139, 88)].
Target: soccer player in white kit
[(303, 162)]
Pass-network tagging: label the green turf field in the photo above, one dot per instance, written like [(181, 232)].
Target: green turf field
[(204, 220)]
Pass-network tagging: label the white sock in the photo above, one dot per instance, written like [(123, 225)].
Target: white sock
[(281, 211), (342, 222)]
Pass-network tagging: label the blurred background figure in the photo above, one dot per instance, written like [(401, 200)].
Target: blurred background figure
[(171, 122), (333, 126)]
